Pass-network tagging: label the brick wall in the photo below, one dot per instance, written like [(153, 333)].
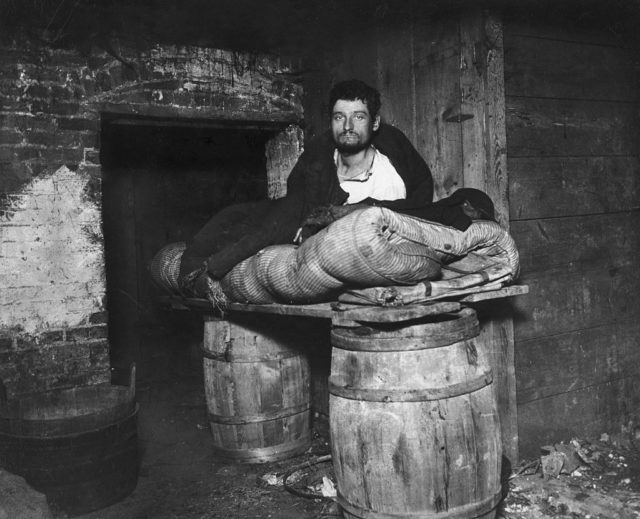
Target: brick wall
[(53, 330)]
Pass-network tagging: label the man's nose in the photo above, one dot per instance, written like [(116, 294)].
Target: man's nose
[(348, 123)]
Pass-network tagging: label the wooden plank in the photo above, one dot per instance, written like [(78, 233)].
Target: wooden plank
[(543, 187), (509, 291), (382, 314), (317, 347), (394, 47), (565, 24), (482, 108), (577, 360), (337, 310), (496, 337), (321, 310), (537, 67), (484, 166), (606, 241), (585, 413), (566, 127), (354, 56), (436, 72), (568, 299)]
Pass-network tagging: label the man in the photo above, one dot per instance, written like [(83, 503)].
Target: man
[(359, 160)]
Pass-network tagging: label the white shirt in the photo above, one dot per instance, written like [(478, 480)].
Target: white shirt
[(381, 181)]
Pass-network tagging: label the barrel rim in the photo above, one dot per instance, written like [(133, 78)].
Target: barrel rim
[(464, 326), (242, 419), (411, 395), (234, 358), (115, 423), (266, 454), (474, 509)]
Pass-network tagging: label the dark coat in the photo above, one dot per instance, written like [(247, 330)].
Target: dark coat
[(238, 232), (315, 175)]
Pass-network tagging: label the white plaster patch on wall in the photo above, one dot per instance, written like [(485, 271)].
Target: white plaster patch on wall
[(51, 255)]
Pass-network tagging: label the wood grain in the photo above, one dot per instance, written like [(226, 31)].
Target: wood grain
[(604, 241), (257, 389), (395, 457), (562, 300), (570, 127), (544, 187), (576, 360), (536, 67), (583, 413)]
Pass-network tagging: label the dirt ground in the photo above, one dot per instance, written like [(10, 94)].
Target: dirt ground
[(181, 478)]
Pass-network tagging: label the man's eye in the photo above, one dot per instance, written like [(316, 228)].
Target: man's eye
[(360, 117), (337, 117)]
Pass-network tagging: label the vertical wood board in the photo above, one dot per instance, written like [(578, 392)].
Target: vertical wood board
[(396, 76), (436, 69), (484, 164), (482, 109)]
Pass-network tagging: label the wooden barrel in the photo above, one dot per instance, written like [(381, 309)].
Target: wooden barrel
[(413, 420), (257, 388), (77, 446)]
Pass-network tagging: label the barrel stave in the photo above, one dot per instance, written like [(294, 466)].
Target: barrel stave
[(257, 389), (413, 421)]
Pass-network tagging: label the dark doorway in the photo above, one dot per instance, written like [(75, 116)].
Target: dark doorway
[(162, 180)]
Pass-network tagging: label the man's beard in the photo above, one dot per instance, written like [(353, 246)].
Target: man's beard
[(352, 147)]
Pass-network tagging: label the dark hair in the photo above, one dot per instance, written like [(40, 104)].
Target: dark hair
[(353, 89)]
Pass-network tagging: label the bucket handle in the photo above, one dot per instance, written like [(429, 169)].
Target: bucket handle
[(132, 381)]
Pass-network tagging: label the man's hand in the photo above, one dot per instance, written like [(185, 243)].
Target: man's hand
[(322, 217), (317, 219)]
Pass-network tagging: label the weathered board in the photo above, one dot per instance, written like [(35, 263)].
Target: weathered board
[(562, 300), (583, 413), (396, 77), (570, 127), (572, 134), (438, 110), (484, 166), (543, 187), (566, 362), (554, 24), (605, 242), (568, 70)]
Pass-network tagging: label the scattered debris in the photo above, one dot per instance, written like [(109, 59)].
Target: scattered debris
[(328, 488), (597, 479)]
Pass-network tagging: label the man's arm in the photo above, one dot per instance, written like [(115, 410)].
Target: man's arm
[(276, 226)]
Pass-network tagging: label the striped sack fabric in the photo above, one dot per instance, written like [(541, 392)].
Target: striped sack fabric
[(370, 247)]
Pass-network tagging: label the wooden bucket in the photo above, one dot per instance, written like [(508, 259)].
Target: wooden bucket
[(77, 446), (413, 421), (257, 388)]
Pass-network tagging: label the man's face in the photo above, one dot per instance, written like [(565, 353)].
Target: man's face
[(352, 125)]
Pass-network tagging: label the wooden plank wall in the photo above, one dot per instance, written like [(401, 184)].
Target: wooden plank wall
[(441, 83), (572, 137)]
